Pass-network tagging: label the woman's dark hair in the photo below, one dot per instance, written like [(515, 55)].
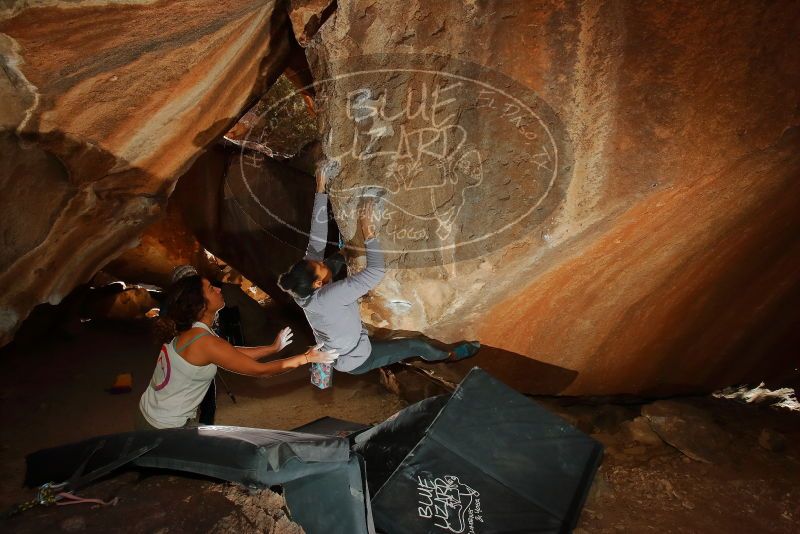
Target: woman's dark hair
[(181, 306), (298, 281)]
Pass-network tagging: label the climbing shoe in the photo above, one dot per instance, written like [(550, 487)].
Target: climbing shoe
[(463, 350)]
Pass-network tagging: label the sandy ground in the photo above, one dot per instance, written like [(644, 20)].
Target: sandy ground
[(54, 391)]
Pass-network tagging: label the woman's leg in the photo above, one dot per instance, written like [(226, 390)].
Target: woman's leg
[(387, 352)]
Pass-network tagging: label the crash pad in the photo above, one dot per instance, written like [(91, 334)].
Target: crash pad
[(486, 459), (312, 468)]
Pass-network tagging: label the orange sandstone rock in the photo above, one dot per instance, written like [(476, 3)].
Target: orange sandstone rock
[(103, 107)]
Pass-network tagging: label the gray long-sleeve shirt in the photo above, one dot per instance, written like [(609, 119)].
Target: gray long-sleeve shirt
[(332, 311)]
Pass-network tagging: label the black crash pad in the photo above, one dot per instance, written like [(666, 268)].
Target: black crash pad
[(486, 459), (313, 469), (250, 456)]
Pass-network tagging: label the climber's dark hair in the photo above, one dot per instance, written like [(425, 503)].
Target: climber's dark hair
[(182, 305), (299, 279)]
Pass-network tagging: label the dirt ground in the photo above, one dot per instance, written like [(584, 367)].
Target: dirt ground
[(647, 485), (54, 391)]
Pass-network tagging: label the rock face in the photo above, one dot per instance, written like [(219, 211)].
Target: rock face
[(252, 212), (608, 187), (279, 125), (102, 107), (307, 16), (604, 190), (163, 245), (689, 429)]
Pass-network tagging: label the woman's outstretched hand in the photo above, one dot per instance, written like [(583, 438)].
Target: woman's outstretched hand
[(283, 338), (315, 355)]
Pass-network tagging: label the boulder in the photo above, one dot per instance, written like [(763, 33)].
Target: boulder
[(118, 304), (249, 210), (307, 16), (689, 429), (166, 243), (610, 188), (104, 106), (606, 192), (640, 431), (280, 125), (772, 440)]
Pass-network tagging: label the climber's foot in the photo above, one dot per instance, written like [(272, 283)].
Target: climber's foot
[(463, 350)]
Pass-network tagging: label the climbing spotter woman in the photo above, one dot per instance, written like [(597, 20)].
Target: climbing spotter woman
[(191, 352)]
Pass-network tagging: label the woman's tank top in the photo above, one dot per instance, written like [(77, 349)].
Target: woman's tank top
[(177, 386)]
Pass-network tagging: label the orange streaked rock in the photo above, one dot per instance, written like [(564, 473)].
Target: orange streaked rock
[(668, 259), (104, 107)]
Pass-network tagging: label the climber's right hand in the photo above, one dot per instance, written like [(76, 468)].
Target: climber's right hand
[(327, 170), (321, 180)]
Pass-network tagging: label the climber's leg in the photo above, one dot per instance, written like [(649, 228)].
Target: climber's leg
[(387, 352)]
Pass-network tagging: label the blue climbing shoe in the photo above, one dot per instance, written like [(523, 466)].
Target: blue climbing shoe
[(464, 350)]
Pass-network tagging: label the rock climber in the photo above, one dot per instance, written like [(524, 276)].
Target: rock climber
[(331, 307)]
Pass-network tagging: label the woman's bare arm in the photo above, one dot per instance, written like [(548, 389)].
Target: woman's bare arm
[(257, 353), (225, 355)]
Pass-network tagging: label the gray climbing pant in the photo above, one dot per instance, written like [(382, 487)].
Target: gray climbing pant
[(389, 351)]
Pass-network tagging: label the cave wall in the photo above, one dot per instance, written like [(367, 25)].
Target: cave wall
[(165, 243), (663, 255), (102, 107), (607, 190), (250, 211)]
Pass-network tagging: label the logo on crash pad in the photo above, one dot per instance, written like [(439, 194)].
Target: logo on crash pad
[(449, 504)]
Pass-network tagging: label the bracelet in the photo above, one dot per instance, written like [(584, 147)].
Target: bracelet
[(306, 356)]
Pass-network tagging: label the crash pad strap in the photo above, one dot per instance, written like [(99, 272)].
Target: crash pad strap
[(50, 493), (195, 338)]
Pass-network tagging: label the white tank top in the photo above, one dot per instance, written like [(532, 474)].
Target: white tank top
[(177, 387)]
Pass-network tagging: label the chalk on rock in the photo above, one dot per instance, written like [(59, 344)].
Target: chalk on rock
[(330, 169)]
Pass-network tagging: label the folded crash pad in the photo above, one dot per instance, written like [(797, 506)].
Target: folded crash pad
[(250, 456), (302, 463), (486, 459), (334, 501)]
